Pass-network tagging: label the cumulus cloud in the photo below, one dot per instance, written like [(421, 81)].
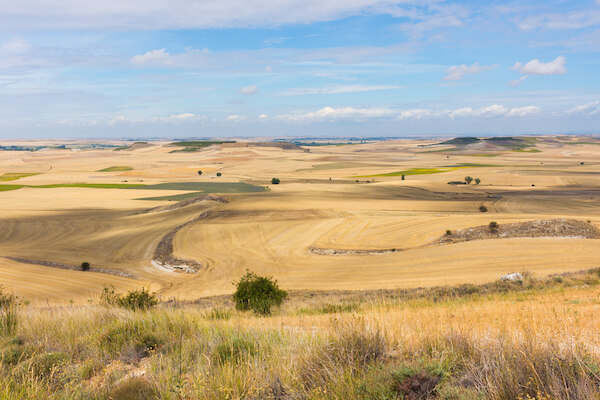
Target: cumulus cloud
[(247, 90), (537, 67), (457, 72), (592, 108), (338, 89), (414, 114), (494, 110), (263, 116), (332, 113), (153, 56), (235, 118)]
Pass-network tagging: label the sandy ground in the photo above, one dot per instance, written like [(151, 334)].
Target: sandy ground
[(318, 204)]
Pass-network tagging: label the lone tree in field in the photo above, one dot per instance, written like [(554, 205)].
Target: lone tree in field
[(482, 208), (468, 179), (199, 172), (275, 181), (477, 181), (257, 293), (493, 226), (219, 174), (85, 266)]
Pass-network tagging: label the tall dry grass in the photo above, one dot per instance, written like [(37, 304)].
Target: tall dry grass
[(537, 343)]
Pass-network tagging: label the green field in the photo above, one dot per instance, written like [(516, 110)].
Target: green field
[(5, 188), (116, 168), (195, 145), (413, 171), (13, 176), (200, 188), (527, 151)]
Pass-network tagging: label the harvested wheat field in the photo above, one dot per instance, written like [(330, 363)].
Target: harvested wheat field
[(342, 218), (414, 270)]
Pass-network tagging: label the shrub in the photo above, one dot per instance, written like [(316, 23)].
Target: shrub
[(134, 300), (403, 177), (468, 179), (483, 208), (275, 181), (257, 293), (8, 313), (493, 226), (219, 174), (85, 266), (477, 181), (199, 172), (448, 232)]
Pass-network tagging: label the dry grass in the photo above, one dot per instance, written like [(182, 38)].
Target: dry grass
[(539, 342)]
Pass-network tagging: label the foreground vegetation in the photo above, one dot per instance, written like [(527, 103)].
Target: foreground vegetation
[(535, 339)]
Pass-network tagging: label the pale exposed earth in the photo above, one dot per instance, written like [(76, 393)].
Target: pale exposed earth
[(272, 232)]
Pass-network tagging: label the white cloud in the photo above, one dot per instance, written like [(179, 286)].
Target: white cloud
[(331, 113), (495, 110), (592, 108), (263, 116), (537, 67), (248, 90), (338, 89), (523, 111), (517, 82), (235, 118), (153, 56), (457, 72), (414, 114)]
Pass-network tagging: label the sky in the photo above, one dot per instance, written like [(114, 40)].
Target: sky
[(180, 68)]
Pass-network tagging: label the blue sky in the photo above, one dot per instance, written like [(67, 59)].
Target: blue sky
[(183, 68)]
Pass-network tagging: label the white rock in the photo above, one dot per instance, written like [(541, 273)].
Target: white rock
[(514, 277)]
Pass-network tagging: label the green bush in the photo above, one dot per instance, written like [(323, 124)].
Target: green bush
[(483, 208), (275, 181), (493, 226), (468, 179), (85, 266), (199, 172), (477, 181), (219, 174), (257, 293), (135, 300)]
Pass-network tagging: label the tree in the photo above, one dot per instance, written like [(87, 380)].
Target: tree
[(257, 293), (85, 266), (468, 179), (219, 174), (402, 177), (493, 226), (483, 208), (448, 232), (275, 181), (199, 172), (477, 181)]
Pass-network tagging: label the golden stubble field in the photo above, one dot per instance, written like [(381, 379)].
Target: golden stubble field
[(318, 205)]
